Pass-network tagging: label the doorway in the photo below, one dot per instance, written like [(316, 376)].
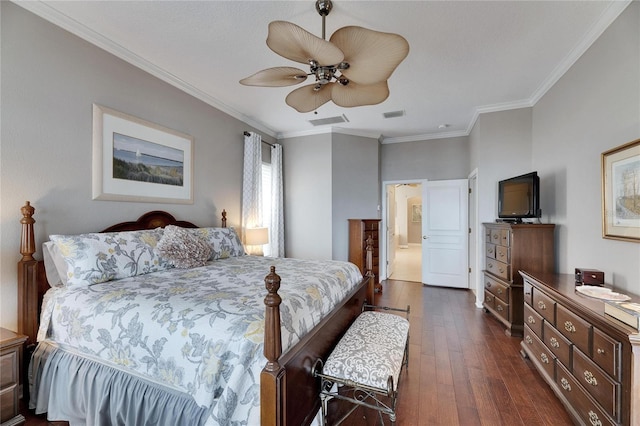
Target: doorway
[(403, 231), (430, 248)]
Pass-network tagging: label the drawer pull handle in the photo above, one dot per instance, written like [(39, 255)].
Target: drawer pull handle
[(528, 339), (565, 384), (499, 291), (588, 376), (488, 299), (554, 343), (490, 251), (531, 320), (601, 351), (568, 325), (499, 308), (544, 358), (541, 305), (488, 284), (593, 419), (495, 236), (501, 270)]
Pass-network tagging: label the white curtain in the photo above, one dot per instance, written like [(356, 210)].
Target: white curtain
[(252, 184), (276, 239)]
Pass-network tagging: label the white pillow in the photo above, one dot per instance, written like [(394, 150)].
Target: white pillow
[(99, 257), (54, 265)]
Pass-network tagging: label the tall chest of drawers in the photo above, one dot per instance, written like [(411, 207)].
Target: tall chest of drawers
[(508, 249), (586, 357), (359, 231)]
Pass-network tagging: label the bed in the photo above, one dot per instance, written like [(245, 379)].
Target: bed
[(144, 375)]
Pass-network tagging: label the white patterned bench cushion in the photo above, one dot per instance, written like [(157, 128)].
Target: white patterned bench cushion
[(371, 350)]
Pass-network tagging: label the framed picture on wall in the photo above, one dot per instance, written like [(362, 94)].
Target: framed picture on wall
[(621, 192), (416, 213), (136, 160)]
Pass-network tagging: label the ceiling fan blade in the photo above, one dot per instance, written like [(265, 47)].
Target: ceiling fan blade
[(306, 99), (297, 44), (275, 77), (354, 94), (372, 55)]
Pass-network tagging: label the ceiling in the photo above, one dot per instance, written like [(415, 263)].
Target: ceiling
[(466, 57)]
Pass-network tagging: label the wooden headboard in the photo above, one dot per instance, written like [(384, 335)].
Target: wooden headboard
[(32, 279)]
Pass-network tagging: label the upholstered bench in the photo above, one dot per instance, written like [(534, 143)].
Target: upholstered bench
[(366, 363)]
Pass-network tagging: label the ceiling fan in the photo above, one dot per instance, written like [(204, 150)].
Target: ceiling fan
[(351, 69)]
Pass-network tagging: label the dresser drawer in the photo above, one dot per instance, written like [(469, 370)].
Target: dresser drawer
[(590, 412), (539, 353), (544, 305), (527, 290), (573, 328), (8, 369), (603, 389), (499, 269), (490, 250), (502, 254), (495, 236), (498, 289), (489, 300), (533, 320), (558, 344), (502, 309), (606, 353)]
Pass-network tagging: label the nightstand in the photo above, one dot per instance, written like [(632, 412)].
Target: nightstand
[(10, 360)]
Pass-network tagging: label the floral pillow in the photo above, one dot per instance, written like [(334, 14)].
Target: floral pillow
[(224, 242), (183, 248), (99, 257)]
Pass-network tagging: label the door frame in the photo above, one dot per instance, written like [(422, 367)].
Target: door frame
[(383, 222), (476, 281)]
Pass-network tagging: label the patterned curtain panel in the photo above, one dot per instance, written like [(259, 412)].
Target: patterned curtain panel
[(277, 203), (252, 184)]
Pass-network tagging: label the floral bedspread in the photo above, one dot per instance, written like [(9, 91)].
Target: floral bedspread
[(198, 330)]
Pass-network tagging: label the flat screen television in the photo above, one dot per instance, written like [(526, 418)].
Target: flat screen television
[(519, 197)]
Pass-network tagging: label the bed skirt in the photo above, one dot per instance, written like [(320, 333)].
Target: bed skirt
[(86, 392)]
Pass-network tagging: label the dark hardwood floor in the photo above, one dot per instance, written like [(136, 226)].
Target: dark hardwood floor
[(463, 369)]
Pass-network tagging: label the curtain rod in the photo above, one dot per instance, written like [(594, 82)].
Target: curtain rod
[(263, 141)]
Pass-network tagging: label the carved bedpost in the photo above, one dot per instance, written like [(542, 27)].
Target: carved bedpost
[(224, 218), (371, 288), (273, 375), (27, 277)]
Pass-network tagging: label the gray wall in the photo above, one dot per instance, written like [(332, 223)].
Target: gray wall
[(329, 179), (594, 107), (355, 186), (437, 159), (50, 79), (500, 147), (308, 202)]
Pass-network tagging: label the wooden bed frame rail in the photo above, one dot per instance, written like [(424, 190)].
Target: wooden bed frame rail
[(283, 375)]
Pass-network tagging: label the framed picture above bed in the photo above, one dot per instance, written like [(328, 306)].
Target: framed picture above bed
[(621, 192), (136, 160)]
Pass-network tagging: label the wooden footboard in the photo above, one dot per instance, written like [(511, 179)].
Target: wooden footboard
[(289, 394)]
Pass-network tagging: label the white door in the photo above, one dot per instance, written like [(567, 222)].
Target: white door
[(445, 233), (391, 228)]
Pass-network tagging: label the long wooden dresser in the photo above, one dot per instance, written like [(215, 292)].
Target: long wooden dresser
[(592, 362), (509, 248)]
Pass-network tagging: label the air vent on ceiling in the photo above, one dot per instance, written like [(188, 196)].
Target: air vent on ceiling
[(329, 120), (393, 114)]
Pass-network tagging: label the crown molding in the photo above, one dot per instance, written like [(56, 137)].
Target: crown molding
[(609, 15), (48, 13), (63, 21)]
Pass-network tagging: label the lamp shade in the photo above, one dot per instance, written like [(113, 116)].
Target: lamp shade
[(256, 236)]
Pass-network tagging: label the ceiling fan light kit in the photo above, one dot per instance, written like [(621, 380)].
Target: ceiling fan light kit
[(351, 69)]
